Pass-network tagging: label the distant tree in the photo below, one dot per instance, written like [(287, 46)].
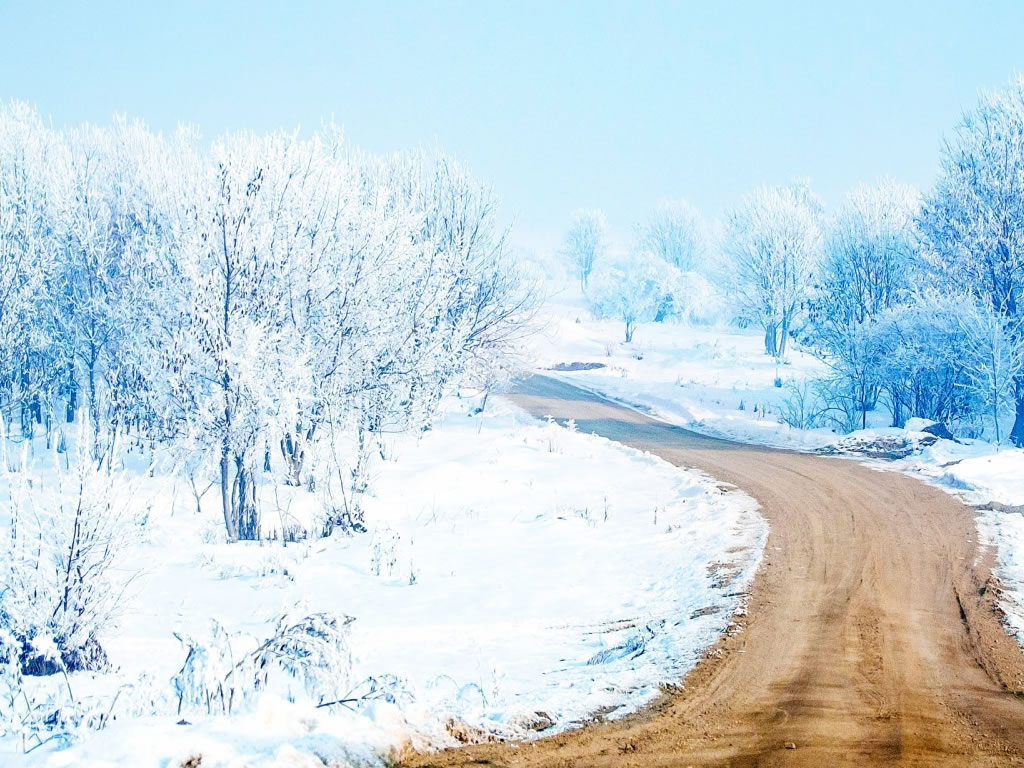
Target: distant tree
[(585, 242), (632, 291), (869, 253), (972, 223), (867, 267), (774, 239), (676, 233)]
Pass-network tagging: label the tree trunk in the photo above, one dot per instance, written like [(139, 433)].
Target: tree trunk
[(863, 415), (1017, 433), (94, 414), (770, 346), (72, 398), (225, 495), (897, 413), (294, 456), (629, 332), (246, 515)]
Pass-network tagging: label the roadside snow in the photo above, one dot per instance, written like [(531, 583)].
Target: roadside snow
[(717, 381), (516, 575)]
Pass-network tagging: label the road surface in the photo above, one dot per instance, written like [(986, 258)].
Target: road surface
[(872, 636)]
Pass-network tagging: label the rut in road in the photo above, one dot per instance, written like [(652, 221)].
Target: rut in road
[(872, 635)]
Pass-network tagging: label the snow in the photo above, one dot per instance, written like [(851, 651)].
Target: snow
[(715, 380), (511, 568)]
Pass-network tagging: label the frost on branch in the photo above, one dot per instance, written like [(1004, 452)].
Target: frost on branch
[(60, 589), (308, 656), (269, 306)]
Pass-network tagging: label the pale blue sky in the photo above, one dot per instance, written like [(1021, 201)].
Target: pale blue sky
[(557, 105)]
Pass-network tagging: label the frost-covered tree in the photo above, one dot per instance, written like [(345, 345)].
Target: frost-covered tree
[(992, 358), (103, 288), (676, 233), (586, 242), (235, 365), (408, 292), (337, 298), (972, 223), (869, 253), (866, 269), (774, 239), (269, 305), (488, 305), (632, 291), (920, 362), (27, 153)]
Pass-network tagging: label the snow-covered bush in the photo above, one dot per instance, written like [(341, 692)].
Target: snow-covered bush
[(311, 651), (921, 371), (61, 588), (65, 525), (222, 674), (802, 406), (207, 681)]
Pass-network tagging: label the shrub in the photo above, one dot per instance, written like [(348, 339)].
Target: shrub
[(58, 589)]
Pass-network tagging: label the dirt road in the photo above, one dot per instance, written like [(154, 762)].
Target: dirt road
[(872, 636)]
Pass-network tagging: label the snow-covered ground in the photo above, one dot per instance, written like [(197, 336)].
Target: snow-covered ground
[(716, 380), (516, 576)]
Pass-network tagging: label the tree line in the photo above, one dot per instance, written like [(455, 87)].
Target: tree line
[(267, 305), (912, 299)]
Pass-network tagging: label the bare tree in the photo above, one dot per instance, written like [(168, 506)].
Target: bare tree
[(774, 239), (585, 242)]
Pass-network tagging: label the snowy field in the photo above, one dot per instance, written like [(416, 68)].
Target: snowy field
[(517, 578), (715, 380)]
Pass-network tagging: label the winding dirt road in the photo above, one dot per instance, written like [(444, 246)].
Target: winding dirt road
[(872, 636)]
